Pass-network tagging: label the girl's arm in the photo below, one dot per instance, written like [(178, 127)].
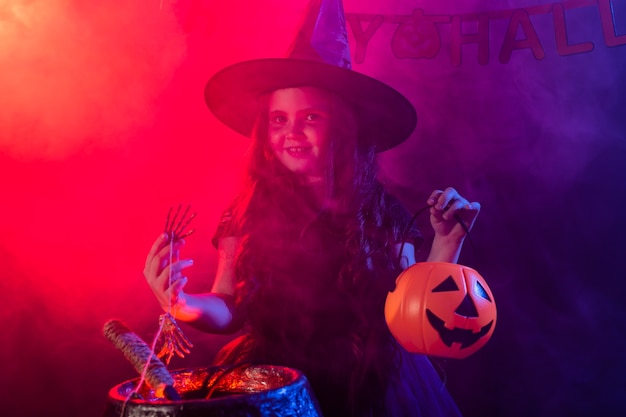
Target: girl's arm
[(448, 209), (212, 312)]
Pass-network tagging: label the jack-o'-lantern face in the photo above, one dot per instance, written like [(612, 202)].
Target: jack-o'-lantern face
[(441, 309)]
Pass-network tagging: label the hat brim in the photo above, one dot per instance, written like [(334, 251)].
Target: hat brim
[(385, 117)]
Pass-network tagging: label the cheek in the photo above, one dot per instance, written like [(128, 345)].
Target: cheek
[(274, 138), (320, 137)]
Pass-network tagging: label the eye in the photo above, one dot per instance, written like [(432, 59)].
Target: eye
[(278, 119), (447, 284), (480, 291), (313, 117)]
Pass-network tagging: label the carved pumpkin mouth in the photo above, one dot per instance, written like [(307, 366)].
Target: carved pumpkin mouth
[(457, 335)]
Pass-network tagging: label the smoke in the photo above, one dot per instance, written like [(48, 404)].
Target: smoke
[(551, 100), (540, 143), (78, 74)]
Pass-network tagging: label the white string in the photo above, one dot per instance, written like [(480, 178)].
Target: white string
[(158, 333), (169, 287)]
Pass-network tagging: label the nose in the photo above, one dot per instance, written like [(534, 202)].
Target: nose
[(467, 307), (294, 130)]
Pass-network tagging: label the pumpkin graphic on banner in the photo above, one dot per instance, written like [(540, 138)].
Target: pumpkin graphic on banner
[(441, 309)]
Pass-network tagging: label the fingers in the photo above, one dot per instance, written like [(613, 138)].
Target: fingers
[(158, 244), (176, 288), (163, 258), (474, 206), (445, 203), (448, 203), (163, 270), (168, 294), (176, 269), (159, 256), (442, 199), (466, 214)]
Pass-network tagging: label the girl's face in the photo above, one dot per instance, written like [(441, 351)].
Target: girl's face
[(299, 121)]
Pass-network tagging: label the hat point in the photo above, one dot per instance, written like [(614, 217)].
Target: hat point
[(322, 35)]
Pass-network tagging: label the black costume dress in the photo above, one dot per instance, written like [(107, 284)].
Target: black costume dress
[(306, 314)]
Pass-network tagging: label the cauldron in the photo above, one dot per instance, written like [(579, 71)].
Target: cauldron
[(248, 391)]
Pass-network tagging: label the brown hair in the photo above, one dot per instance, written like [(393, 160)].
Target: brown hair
[(273, 196)]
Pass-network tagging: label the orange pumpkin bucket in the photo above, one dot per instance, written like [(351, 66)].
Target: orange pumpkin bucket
[(441, 309)]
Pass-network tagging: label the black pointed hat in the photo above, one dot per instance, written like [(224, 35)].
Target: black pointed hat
[(318, 57)]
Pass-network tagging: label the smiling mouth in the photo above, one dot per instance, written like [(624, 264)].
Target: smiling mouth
[(465, 337), (298, 150)]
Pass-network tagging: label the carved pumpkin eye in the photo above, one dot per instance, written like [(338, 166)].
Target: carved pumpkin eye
[(447, 284), (480, 291)]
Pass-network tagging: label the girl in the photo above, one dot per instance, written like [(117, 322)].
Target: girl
[(310, 247)]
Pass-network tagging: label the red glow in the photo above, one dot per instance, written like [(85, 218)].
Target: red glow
[(103, 127), (75, 75)]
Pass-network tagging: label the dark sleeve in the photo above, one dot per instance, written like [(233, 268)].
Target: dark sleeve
[(225, 227), (403, 226)]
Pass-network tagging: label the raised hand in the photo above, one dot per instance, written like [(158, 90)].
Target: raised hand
[(451, 215), (163, 271)]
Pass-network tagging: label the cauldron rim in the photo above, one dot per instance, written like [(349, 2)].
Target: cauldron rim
[(295, 378)]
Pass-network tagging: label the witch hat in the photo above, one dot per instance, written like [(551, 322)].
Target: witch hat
[(318, 57)]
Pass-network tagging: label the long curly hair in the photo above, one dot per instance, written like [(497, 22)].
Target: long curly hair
[(366, 227)]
